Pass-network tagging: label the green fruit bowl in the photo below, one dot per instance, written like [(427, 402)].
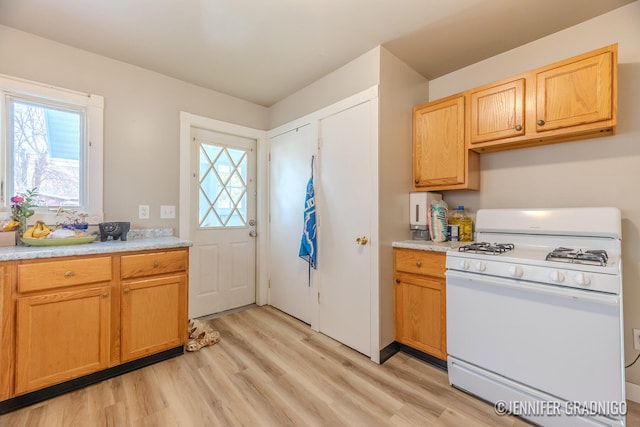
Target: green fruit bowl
[(58, 242)]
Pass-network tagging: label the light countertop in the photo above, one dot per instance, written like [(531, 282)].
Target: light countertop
[(12, 253), (428, 245)]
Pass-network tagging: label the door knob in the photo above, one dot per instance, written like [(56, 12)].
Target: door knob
[(253, 233), (362, 240)]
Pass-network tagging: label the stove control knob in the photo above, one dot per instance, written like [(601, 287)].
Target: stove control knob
[(515, 271), (582, 279), (480, 266), (464, 264), (556, 276)]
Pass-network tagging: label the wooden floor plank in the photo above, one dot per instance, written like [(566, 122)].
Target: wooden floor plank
[(271, 370)]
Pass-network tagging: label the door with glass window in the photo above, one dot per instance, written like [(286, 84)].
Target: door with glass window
[(222, 274)]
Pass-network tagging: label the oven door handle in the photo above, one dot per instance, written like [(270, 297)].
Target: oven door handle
[(475, 280)]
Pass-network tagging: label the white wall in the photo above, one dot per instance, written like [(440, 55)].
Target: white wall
[(400, 88), (595, 172), (358, 75), (141, 123)]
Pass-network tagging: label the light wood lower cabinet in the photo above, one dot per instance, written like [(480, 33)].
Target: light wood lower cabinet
[(65, 318), (153, 315), (7, 319), (60, 336), (154, 302), (420, 301)]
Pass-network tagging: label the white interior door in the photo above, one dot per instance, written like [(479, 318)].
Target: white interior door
[(223, 227), (290, 285), (344, 203)]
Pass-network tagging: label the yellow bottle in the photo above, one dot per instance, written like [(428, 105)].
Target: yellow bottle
[(464, 222)]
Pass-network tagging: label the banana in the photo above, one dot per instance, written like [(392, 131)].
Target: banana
[(37, 231), (29, 232), (11, 225), (41, 230)]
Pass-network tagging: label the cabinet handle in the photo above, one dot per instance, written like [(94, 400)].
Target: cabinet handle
[(126, 290), (397, 280), (362, 240), (106, 294), (540, 122), (68, 273), (518, 128), (418, 264), (155, 264), (417, 181)]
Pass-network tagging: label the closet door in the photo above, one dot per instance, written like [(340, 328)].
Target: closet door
[(346, 215), (290, 286)]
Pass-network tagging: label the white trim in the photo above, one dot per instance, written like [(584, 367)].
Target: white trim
[(374, 211), (632, 392), (188, 121), (93, 177)]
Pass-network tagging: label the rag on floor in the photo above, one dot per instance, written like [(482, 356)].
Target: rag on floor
[(201, 334)]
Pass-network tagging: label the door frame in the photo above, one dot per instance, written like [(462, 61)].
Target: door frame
[(189, 121)]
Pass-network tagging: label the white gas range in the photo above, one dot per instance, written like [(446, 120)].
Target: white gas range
[(534, 315)]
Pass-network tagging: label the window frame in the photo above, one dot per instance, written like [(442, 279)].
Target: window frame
[(93, 105)]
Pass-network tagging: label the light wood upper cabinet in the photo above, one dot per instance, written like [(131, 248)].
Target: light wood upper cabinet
[(497, 111), (441, 160), (420, 301), (565, 101), (576, 92)]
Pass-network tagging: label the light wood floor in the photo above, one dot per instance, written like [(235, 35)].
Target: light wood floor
[(271, 370)]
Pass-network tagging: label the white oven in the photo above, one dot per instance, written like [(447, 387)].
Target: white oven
[(537, 334)]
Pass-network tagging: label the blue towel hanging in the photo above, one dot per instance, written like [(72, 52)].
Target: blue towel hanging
[(308, 244)]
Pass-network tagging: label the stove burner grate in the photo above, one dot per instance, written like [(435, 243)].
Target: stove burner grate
[(487, 248), (590, 257)]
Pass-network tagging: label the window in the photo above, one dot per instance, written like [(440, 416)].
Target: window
[(52, 141)]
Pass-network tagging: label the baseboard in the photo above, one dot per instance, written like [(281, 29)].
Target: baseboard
[(632, 391), (442, 364), (389, 351)]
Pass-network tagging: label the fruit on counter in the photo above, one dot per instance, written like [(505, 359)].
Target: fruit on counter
[(11, 225), (62, 233), (39, 231)]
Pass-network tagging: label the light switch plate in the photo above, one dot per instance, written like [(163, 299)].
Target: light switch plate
[(167, 211)]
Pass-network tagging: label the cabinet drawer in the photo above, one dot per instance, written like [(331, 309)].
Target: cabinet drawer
[(420, 262), (154, 263), (57, 274)]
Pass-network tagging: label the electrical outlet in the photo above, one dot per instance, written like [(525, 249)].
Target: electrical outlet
[(636, 339), (143, 211), (167, 211)]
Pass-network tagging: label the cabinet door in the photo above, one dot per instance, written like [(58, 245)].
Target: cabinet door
[(439, 148), (575, 93), (420, 314), (497, 112), (154, 315), (6, 331), (60, 336)]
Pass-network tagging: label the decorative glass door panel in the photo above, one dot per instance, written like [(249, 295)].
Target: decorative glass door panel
[(223, 186)]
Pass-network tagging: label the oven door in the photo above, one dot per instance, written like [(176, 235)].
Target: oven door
[(561, 341)]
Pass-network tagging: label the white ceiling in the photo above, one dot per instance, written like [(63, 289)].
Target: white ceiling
[(265, 50)]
